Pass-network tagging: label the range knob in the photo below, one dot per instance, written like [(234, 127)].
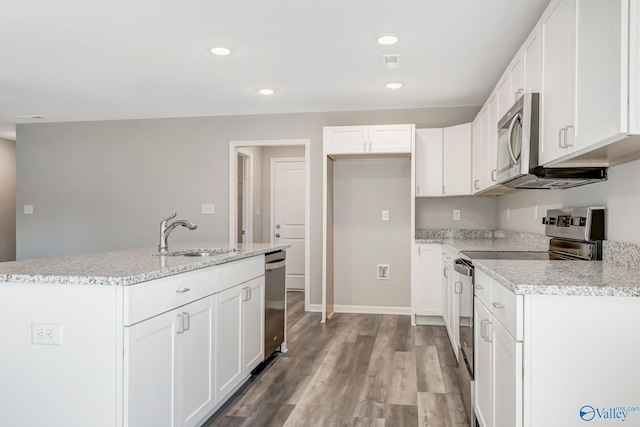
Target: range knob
[(549, 220), (579, 221)]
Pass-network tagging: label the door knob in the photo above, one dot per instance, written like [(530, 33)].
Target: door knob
[(277, 234), (278, 226)]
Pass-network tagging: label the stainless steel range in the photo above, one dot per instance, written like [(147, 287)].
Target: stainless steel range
[(576, 234)]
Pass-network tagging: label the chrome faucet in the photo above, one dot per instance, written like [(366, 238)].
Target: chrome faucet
[(165, 230)]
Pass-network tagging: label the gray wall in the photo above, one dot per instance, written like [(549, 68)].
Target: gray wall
[(620, 195), (362, 240), (475, 212), (7, 200), (99, 186)]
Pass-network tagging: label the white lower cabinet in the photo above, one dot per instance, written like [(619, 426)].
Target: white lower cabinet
[(427, 293), (253, 311), (169, 367), (450, 299), (498, 356)]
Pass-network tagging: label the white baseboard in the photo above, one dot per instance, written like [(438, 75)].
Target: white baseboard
[(429, 320), (363, 309)]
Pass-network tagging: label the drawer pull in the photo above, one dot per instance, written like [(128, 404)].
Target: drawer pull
[(183, 290), (498, 304), (478, 286), (186, 321)]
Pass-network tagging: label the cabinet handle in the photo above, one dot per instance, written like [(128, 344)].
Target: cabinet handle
[(180, 323), (369, 145), (497, 304), (418, 190), (246, 294), (364, 146), (566, 137), (445, 273), (183, 290), (494, 174), (519, 93), (562, 132), (487, 336), (458, 289), (186, 320), (444, 189), (250, 293), (418, 250), (482, 330), (476, 184)]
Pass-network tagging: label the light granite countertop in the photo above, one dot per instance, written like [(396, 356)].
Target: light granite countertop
[(125, 267), (587, 278)]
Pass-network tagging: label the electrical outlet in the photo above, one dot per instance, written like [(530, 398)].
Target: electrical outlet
[(207, 209), (383, 271), (385, 215), (456, 215), (46, 334), (28, 209)]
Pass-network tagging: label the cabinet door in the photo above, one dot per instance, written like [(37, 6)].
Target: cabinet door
[(478, 152), (454, 301), (429, 284), (390, 138), (197, 390), (346, 139), (482, 371), (457, 160), (506, 378), (557, 27), (253, 324), (532, 61), (601, 81), (228, 341), (492, 137), (429, 162), (505, 97), (446, 274), (150, 372), (516, 79)]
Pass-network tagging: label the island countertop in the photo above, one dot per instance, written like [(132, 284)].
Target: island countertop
[(126, 267)]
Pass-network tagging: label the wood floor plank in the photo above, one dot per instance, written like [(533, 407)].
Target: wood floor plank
[(401, 415), (450, 377), (405, 335), (428, 370), (403, 389), (433, 410), (456, 410)]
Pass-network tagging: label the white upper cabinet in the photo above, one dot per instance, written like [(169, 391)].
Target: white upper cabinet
[(584, 76), (428, 162), (505, 97), (516, 79), (478, 149), (457, 160), (532, 61), (368, 139)]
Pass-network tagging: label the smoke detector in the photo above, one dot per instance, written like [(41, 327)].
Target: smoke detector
[(390, 62)]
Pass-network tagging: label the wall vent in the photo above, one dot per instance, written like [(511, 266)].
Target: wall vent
[(390, 62)]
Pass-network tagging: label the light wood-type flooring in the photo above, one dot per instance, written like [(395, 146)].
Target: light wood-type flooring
[(356, 370)]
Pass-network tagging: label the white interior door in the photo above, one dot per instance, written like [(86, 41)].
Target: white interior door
[(288, 219)]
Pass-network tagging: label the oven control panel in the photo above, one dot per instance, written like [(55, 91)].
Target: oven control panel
[(575, 223)]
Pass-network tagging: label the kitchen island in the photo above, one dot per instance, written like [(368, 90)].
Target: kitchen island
[(129, 338)]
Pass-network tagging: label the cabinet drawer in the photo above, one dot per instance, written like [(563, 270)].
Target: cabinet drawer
[(507, 308), (482, 287), (145, 300), (237, 272)]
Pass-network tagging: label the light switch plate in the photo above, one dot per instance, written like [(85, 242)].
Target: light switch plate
[(385, 215), (28, 209), (456, 215), (207, 209)]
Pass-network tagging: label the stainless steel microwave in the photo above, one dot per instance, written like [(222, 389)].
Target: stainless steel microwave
[(518, 145)]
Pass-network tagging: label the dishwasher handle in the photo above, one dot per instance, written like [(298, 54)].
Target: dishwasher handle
[(274, 265)]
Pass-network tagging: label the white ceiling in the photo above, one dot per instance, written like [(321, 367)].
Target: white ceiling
[(77, 60)]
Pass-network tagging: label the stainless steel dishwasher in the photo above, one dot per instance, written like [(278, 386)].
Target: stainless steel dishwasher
[(274, 322)]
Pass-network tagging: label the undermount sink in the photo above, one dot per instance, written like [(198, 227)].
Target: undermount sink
[(201, 252)]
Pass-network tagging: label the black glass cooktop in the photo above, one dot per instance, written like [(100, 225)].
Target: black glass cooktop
[(513, 255)]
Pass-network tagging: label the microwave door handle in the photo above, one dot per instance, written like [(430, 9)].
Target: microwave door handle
[(511, 126)]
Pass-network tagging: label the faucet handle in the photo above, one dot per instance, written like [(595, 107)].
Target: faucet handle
[(170, 218)]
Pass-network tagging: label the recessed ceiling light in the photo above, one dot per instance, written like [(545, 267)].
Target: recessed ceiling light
[(394, 85), (33, 117), (266, 91), (220, 50), (387, 39)]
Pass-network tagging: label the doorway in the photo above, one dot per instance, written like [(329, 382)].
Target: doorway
[(244, 201), (263, 210)]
